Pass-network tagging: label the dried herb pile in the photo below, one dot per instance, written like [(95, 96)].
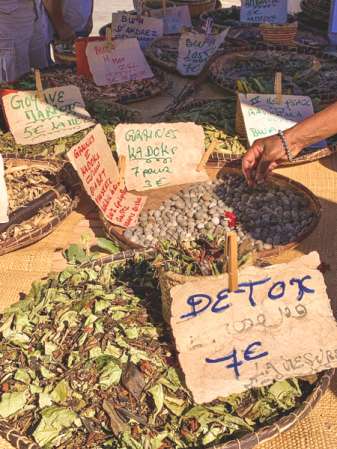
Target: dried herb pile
[(217, 119), (84, 363)]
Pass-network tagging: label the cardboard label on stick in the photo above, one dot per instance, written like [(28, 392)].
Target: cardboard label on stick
[(175, 19), (3, 194), (277, 325), (265, 11), (264, 115), (115, 62), (145, 29), (195, 49), (34, 121), (93, 161), (162, 154)]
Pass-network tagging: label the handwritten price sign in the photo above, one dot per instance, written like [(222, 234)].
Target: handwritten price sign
[(34, 121), (175, 19), (93, 161), (266, 11), (277, 325), (117, 62), (161, 154)]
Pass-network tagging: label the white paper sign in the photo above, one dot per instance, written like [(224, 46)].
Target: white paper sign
[(34, 121), (161, 154), (195, 49), (277, 325), (265, 11), (3, 194), (93, 161), (175, 19), (143, 28), (121, 63), (264, 116)]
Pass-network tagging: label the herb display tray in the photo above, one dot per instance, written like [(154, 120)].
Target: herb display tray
[(87, 362), (280, 229), (41, 195)]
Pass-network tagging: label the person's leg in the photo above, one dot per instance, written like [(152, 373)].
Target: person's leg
[(39, 48)]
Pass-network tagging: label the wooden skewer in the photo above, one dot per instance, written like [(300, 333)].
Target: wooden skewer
[(164, 7), (121, 168), (233, 281), (108, 36), (278, 87), (38, 83), (206, 155)]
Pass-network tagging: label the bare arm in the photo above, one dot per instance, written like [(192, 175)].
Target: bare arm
[(55, 12), (266, 154)]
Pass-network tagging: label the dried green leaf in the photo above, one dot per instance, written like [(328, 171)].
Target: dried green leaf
[(12, 402)]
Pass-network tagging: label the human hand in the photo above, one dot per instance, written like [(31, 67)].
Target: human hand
[(65, 33), (263, 157)]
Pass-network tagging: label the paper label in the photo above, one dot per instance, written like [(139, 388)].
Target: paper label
[(195, 49), (263, 11), (175, 18), (33, 121), (162, 154), (264, 116), (93, 161), (143, 28), (121, 63), (3, 194), (277, 325)]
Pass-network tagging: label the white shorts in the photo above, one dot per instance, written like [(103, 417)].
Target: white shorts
[(23, 38)]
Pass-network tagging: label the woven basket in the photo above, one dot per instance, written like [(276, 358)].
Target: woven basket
[(33, 236), (116, 233), (279, 34), (198, 7)]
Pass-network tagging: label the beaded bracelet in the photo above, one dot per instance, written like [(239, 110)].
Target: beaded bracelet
[(285, 146)]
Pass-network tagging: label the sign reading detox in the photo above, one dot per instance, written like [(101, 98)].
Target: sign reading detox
[(263, 11)]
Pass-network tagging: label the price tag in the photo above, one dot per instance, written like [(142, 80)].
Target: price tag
[(278, 324), (175, 19), (3, 194), (268, 11)]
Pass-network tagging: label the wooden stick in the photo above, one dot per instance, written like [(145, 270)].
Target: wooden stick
[(278, 87), (164, 7), (233, 281), (206, 155), (121, 168), (38, 83)]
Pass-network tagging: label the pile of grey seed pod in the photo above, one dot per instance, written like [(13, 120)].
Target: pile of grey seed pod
[(268, 215)]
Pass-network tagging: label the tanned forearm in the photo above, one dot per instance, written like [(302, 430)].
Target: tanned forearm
[(55, 11)]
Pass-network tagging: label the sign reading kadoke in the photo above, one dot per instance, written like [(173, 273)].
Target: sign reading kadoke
[(145, 29), (264, 116), (161, 154), (115, 62), (34, 121), (93, 161), (264, 11), (277, 325), (195, 49)]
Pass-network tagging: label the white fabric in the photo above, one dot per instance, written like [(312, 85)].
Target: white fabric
[(23, 42)]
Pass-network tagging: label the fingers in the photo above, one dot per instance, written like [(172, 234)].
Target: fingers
[(250, 161)]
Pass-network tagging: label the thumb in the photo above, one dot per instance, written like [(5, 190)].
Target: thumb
[(263, 169)]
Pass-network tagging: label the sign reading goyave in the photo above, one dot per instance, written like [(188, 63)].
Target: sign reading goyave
[(145, 29), (161, 154), (264, 115), (195, 49), (264, 11), (277, 325), (115, 62), (34, 121), (93, 161)]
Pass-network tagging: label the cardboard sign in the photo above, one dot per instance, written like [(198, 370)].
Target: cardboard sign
[(34, 121), (93, 161), (277, 325), (175, 19), (143, 28), (264, 116), (117, 62), (3, 194), (195, 49), (333, 17), (265, 11), (161, 154)]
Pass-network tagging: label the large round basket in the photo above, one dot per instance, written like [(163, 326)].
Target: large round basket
[(66, 177), (279, 34), (157, 197), (197, 7)]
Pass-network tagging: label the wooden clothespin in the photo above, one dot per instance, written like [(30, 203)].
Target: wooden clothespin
[(164, 7), (121, 169), (206, 155), (233, 278), (278, 87), (108, 36), (38, 83)]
